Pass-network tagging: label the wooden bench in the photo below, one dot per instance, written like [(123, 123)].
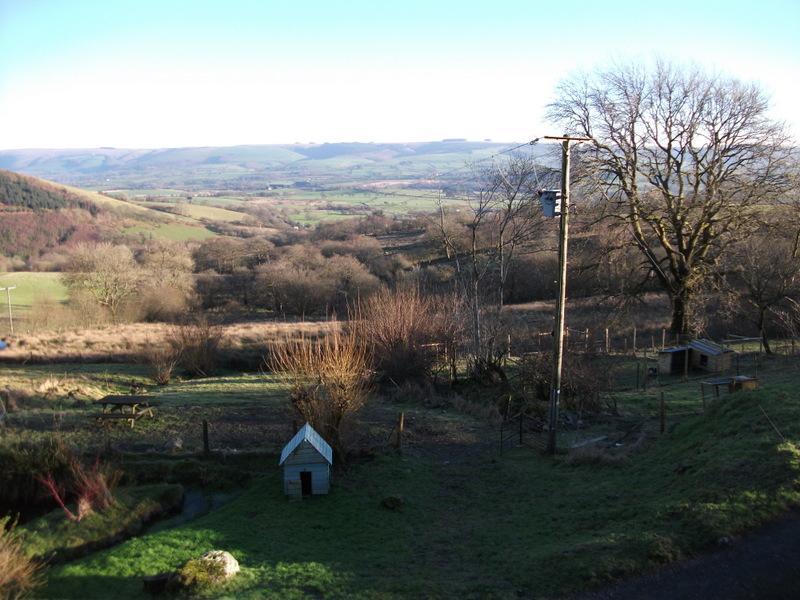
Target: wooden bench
[(114, 409), (138, 405)]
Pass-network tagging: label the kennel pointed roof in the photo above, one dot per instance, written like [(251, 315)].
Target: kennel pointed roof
[(307, 434)]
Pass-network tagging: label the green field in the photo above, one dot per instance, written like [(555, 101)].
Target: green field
[(212, 213), (176, 232), (32, 287)]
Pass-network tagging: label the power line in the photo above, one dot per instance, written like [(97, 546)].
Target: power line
[(490, 157)]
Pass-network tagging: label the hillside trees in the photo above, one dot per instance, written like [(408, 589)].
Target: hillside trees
[(683, 160), (111, 276)]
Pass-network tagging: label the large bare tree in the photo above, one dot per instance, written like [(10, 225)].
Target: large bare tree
[(683, 159)]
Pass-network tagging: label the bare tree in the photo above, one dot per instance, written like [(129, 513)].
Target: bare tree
[(484, 241), (107, 273), (765, 273), (683, 159)]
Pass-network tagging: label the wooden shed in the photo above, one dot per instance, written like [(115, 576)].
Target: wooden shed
[(710, 356), (672, 360), (306, 462), (699, 354)]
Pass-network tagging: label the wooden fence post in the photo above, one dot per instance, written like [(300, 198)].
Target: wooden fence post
[(608, 345), (206, 447), (400, 426), (634, 340), (663, 338)]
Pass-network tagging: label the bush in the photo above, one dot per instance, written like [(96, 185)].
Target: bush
[(91, 487), (161, 360), (330, 379), (19, 574), (404, 330), (583, 380), (197, 345)]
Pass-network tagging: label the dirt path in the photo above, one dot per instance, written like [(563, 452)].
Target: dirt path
[(764, 564)]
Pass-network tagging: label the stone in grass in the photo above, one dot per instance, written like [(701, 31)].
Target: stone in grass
[(392, 503), (211, 569)]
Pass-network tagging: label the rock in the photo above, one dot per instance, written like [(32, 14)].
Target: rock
[(229, 564), (392, 503)]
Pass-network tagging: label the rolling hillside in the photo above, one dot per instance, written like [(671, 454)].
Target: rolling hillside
[(246, 167), (39, 217)]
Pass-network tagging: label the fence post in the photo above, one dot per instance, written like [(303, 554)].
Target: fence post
[(400, 427), (206, 448), (663, 414), (638, 368), (608, 345), (663, 338), (634, 340)]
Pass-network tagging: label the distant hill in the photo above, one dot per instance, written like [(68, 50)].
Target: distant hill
[(245, 167), (39, 217)]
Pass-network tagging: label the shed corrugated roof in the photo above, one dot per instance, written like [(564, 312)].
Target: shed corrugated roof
[(307, 434), (708, 347)]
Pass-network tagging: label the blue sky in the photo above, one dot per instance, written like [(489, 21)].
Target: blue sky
[(159, 73)]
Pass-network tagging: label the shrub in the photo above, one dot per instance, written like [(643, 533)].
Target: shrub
[(90, 486), (583, 380), (19, 574), (197, 344), (406, 330), (161, 360), (330, 379)]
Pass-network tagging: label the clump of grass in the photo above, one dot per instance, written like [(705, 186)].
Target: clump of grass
[(19, 574), (197, 575)]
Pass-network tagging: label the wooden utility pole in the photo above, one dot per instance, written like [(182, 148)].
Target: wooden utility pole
[(8, 303), (563, 240)]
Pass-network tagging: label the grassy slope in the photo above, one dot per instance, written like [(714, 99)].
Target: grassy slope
[(522, 523), (55, 534), (194, 211)]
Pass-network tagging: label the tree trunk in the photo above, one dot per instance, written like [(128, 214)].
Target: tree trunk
[(476, 319), (681, 323), (763, 330)]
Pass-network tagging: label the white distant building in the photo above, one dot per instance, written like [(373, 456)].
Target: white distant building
[(306, 462)]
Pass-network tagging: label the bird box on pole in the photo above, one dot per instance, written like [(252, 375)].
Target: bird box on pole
[(551, 202)]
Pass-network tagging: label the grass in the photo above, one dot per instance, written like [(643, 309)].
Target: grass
[(31, 287), (176, 232), (200, 211), (53, 535), (486, 527)]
